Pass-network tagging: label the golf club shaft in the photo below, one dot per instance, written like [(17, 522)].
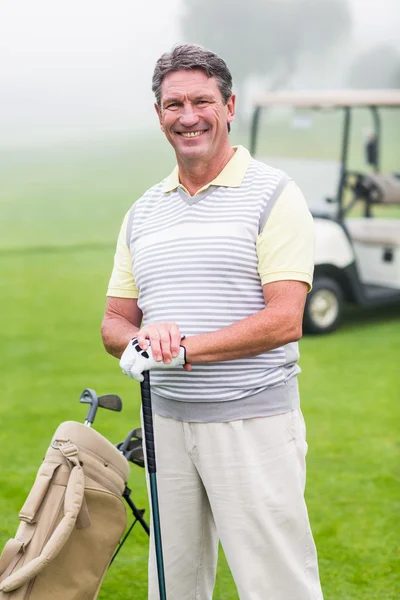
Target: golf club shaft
[(89, 396), (151, 468)]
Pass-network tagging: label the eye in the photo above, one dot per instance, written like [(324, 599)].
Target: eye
[(172, 105), (202, 102)]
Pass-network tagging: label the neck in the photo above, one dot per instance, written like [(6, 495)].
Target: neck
[(196, 174)]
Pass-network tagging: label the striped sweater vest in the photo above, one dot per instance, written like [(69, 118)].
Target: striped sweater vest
[(195, 263)]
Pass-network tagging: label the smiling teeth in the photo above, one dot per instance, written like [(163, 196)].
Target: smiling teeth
[(192, 133)]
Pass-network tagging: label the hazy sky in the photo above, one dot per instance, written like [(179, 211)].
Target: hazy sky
[(376, 20), (77, 68)]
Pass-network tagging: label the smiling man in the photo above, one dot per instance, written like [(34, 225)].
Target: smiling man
[(194, 116), (210, 278)]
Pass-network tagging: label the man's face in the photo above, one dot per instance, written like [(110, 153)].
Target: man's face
[(193, 115)]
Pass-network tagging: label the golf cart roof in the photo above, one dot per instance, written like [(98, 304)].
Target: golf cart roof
[(327, 99)]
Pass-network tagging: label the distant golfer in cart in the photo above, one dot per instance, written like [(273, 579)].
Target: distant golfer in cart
[(210, 279)]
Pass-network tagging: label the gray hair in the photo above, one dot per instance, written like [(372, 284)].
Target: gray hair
[(188, 57)]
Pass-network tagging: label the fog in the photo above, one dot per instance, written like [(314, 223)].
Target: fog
[(376, 20), (78, 69), (71, 69)]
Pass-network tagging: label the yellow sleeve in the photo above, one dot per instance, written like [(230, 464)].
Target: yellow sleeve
[(285, 247), (122, 283)]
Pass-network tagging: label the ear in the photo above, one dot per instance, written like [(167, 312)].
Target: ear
[(159, 114), (230, 108)]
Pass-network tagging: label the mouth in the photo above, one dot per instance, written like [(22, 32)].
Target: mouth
[(191, 134)]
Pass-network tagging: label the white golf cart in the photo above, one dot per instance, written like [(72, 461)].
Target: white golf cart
[(357, 260)]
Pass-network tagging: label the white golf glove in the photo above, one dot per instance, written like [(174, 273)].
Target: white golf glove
[(135, 360)]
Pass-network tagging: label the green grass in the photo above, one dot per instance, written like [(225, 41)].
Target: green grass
[(59, 217)]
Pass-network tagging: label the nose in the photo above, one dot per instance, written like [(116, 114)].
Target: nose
[(188, 116)]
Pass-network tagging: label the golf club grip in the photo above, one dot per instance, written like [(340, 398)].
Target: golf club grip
[(148, 422)]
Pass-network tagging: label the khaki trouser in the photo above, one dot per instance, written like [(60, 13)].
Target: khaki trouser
[(241, 482)]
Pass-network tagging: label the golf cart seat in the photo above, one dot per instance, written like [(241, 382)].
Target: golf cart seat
[(375, 188), (382, 232), (389, 187)]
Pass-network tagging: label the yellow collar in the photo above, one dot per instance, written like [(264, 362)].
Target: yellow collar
[(231, 175)]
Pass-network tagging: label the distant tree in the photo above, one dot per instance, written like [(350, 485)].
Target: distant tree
[(379, 67), (266, 37)]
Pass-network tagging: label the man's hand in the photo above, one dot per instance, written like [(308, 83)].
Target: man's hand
[(134, 360), (164, 339)]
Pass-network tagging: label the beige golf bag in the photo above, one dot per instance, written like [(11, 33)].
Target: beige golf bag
[(71, 521)]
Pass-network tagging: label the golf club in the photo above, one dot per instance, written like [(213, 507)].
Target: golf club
[(132, 447), (151, 469), (108, 401)]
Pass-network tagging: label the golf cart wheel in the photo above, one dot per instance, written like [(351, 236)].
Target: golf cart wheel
[(324, 306)]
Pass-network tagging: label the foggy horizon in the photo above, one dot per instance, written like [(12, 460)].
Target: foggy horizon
[(83, 70)]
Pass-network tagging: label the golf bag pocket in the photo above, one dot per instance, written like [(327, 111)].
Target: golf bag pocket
[(71, 521)]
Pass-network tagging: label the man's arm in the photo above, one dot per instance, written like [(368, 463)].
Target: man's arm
[(279, 323), (121, 322), (123, 317)]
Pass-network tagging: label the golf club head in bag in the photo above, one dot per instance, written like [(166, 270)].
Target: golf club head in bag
[(132, 447), (108, 401)]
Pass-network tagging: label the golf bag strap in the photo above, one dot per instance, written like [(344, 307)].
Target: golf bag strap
[(10, 551), (38, 492), (83, 519), (14, 546), (27, 515), (72, 505)]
